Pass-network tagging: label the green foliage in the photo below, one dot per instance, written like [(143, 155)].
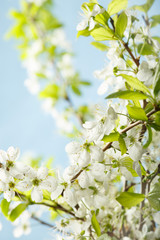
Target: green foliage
[(128, 163), (96, 225), (50, 91), (156, 82), (17, 211), (145, 7), (115, 6), (129, 95), (122, 145), (84, 33), (111, 137), (155, 20), (100, 46), (149, 137), (5, 207), (121, 24), (135, 83), (103, 34), (129, 199), (154, 197), (102, 18), (137, 113), (146, 49)]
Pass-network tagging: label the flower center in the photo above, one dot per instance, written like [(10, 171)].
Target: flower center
[(36, 182)]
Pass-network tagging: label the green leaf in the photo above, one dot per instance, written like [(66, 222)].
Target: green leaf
[(129, 199), (155, 126), (84, 33), (129, 95), (100, 46), (146, 49), (115, 6), (111, 137), (102, 18), (128, 163), (156, 81), (137, 113), (155, 20), (50, 91), (156, 38), (121, 24), (86, 83), (76, 90), (145, 7), (103, 34), (135, 83), (149, 140), (122, 145), (5, 207), (96, 225), (154, 197), (16, 212)]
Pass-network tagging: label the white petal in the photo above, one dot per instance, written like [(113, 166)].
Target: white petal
[(84, 158), (70, 197), (13, 153), (135, 151), (3, 156), (9, 194), (97, 153), (83, 180), (37, 194), (24, 185), (103, 88), (73, 147), (82, 25), (137, 168), (42, 173), (55, 194), (89, 124), (92, 24)]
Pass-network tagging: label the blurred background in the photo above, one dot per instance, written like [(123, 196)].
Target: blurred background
[(23, 123)]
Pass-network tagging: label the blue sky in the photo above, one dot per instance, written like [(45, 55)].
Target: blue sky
[(23, 124)]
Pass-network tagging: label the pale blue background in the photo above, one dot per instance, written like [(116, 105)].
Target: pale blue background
[(22, 121)]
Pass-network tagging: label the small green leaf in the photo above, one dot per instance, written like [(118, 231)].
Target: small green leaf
[(121, 24), (96, 225), (129, 199), (111, 137), (146, 49), (154, 197), (103, 34), (156, 81), (115, 6), (135, 83), (128, 163), (129, 95), (100, 46), (102, 18), (84, 33), (16, 212), (155, 20), (137, 113), (122, 145), (50, 91), (145, 7), (5, 207), (149, 140)]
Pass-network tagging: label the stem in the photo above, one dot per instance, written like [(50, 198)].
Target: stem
[(136, 60), (43, 222)]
